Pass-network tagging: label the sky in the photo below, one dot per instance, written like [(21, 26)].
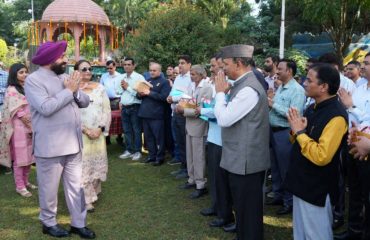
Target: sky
[(254, 6)]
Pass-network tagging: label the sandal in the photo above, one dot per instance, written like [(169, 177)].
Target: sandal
[(24, 192), (31, 186)]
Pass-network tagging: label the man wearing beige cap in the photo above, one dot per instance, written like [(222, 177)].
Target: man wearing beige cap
[(245, 138)]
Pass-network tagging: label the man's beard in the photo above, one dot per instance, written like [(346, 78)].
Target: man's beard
[(268, 68), (58, 68)]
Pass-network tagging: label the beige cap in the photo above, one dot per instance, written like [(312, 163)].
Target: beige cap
[(237, 50)]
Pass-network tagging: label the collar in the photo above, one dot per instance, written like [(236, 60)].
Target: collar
[(289, 83), (325, 102), (243, 75), (47, 71), (185, 75)]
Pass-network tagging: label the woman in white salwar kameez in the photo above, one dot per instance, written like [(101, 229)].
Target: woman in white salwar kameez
[(95, 126)]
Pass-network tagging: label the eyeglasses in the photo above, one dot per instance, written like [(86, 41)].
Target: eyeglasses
[(85, 69)]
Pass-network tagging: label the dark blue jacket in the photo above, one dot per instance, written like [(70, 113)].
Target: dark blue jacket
[(153, 105)]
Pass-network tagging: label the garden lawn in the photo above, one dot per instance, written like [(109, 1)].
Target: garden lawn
[(138, 202)]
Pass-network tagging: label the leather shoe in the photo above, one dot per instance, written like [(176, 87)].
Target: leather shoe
[(347, 235), (83, 232), (198, 193), (230, 228), (55, 231), (187, 185), (157, 163), (208, 212), (218, 222), (337, 223), (284, 210), (274, 202), (148, 160)]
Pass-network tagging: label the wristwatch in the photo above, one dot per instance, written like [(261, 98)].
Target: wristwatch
[(300, 132)]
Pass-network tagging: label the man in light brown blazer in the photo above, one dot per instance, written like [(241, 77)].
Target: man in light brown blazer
[(196, 132)]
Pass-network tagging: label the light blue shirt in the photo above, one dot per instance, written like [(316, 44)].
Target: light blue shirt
[(361, 100), (129, 96), (182, 83), (289, 95), (111, 84)]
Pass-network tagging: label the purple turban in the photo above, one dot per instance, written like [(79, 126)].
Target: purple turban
[(49, 52)]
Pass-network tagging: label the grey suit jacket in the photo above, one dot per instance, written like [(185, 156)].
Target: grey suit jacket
[(55, 113), (195, 126)]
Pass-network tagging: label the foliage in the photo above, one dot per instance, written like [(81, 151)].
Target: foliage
[(298, 56), (170, 32), (220, 11), (261, 32), (3, 49), (339, 18)]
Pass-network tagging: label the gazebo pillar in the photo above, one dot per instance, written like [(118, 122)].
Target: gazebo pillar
[(76, 35), (102, 35)]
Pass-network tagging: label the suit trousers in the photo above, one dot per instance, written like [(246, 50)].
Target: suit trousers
[(195, 158), (247, 195), (154, 137), (180, 133), (218, 184), (359, 188), (49, 172), (279, 165)]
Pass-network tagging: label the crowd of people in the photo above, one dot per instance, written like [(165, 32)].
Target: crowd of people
[(229, 132)]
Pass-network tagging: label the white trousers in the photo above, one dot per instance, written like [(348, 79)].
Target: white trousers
[(311, 222)]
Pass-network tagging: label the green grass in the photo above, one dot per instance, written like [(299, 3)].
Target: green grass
[(138, 201)]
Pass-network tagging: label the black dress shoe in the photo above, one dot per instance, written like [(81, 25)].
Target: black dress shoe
[(218, 222), (83, 232), (284, 210), (187, 185), (208, 212), (230, 228), (148, 160), (55, 231), (337, 223), (347, 235), (198, 193), (157, 163), (274, 202)]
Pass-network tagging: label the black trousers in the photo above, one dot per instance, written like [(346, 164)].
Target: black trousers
[(359, 196), (154, 137), (247, 195), (169, 144), (180, 134), (218, 183)]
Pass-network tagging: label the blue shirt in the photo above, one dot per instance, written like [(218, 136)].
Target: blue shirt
[(112, 84), (129, 96), (183, 84), (289, 95), (3, 85)]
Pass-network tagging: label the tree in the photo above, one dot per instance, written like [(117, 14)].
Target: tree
[(340, 18), (220, 10), (169, 32), (3, 49)]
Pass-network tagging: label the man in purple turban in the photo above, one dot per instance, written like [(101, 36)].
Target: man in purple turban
[(54, 98)]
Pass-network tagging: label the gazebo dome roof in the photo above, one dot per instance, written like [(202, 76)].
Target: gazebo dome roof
[(75, 11)]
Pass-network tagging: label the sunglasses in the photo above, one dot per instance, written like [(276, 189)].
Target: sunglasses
[(85, 69)]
